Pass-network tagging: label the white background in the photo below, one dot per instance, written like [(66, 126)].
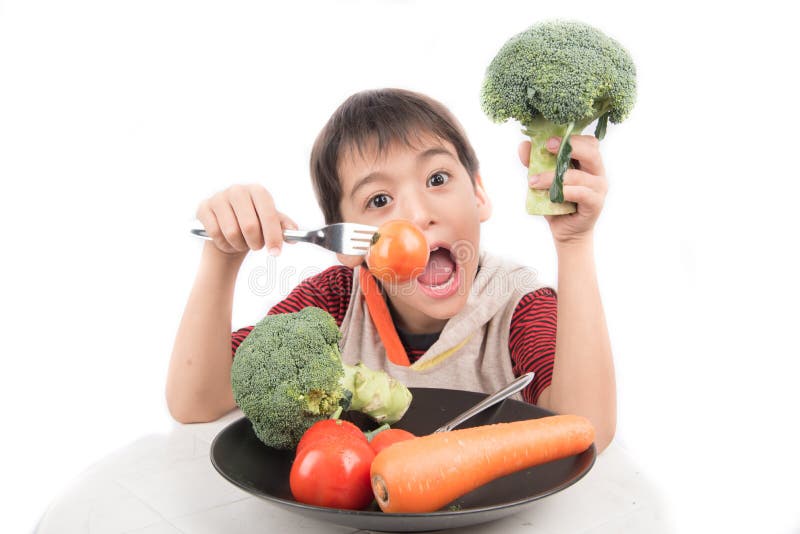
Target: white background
[(118, 118)]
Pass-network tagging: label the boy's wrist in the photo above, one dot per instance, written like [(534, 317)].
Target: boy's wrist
[(581, 243), (216, 258)]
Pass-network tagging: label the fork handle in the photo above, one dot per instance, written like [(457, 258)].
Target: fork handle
[(297, 235), (292, 235)]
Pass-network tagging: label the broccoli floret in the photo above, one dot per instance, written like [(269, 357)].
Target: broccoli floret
[(556, 78), (288, 374)]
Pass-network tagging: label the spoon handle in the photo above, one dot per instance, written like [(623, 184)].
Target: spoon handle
[(513, 387)]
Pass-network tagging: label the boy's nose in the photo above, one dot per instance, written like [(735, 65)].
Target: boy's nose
[(419, 212), (422, 221)]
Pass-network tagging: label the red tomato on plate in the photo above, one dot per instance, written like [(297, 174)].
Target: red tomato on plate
[(388, 437), (329, 428), (333, 472), (399, 251)]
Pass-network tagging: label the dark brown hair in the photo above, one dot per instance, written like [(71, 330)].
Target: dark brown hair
[(381, 116)]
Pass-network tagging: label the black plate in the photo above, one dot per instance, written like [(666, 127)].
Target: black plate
[(245, 461)]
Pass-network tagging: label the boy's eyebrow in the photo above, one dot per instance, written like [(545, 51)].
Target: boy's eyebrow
[(371, 177), (374, 176)]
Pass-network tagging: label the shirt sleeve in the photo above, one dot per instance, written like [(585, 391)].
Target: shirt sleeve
[(329, 290), (532, 339)]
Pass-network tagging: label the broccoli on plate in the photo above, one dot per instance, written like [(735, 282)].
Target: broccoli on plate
[(556, 78), (288, 374)]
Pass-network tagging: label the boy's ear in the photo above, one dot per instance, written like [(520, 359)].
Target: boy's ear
[(484, 204)]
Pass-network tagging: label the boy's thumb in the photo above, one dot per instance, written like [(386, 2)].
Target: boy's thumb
[(288, 224)]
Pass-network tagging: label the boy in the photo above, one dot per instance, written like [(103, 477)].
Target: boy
[(470, 321)]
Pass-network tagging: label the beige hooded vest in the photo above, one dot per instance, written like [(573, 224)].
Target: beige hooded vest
[(472, 351)]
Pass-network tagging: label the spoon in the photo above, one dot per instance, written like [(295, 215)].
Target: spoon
[(513, 387)]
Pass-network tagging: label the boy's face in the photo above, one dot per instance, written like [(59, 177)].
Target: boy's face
[(426, 184)]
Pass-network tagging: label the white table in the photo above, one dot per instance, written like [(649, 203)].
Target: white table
[(165, 484)]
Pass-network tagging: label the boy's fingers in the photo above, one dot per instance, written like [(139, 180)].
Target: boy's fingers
[(231, 233), (209, 221), (571, 177), (287, 222), (269, 218), (246, 216), (588, 199), (585, 149), (205, 216), (525, 153)]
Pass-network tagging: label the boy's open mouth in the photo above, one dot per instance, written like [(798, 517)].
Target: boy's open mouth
[(440, 272)]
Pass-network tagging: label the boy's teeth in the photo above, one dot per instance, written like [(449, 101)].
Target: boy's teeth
[(446, 283)]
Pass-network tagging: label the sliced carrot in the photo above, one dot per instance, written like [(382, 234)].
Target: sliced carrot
[(426, 473)]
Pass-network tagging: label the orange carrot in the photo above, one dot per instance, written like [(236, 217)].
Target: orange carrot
[(382, 319), (426, 473)]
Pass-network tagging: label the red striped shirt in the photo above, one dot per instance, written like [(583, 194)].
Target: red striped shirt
[(532, 335)]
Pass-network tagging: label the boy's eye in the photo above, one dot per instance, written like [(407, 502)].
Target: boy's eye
[(437, 179), (379, 201)]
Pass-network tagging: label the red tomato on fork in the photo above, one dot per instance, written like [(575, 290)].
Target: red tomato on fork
[(399, 251)]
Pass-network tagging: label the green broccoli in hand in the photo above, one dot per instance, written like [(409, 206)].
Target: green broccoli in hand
[(556, 78), (288, 374)]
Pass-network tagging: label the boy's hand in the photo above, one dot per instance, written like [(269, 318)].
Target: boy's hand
[(585, 185), (243, 218)]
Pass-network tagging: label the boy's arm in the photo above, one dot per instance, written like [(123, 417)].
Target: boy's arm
[(198, 382), (583, 373), (238, 219)]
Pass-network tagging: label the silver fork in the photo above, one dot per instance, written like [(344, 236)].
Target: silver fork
[(346, 238)]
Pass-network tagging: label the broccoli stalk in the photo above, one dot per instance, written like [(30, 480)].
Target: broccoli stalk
[(288, 374), (556, 78), (541, 201), (551, 202), (375, 393)]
